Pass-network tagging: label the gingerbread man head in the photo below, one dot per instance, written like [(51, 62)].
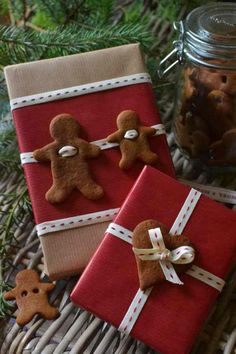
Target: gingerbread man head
[(27, 276), (64, 127), (127, 120)]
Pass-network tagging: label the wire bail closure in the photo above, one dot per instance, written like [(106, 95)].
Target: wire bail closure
[(176, 53)]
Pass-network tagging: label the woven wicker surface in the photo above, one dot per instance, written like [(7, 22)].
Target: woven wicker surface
[(77, 331)]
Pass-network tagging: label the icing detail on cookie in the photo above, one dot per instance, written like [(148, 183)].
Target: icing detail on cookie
[(131, 134), (68, 151)]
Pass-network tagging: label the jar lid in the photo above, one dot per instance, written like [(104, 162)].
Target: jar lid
[(206, 37), (214, 23)]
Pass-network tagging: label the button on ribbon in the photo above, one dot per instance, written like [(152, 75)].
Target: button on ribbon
[(131, 134), (67, 151)]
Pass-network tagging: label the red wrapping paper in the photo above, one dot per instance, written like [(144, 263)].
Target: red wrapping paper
[(173, 315), (67, 251), (97, 114)]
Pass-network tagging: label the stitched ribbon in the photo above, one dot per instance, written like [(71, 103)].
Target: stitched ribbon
[(196, 272), (27, 157), (79, 90), (180, 255)]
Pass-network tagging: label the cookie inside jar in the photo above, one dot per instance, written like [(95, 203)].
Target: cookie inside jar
[(206, 114)]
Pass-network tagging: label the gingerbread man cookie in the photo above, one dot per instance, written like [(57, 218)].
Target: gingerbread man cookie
[(31, 297), (68, 155), (150, 272), (224, 151), (133, 140), (213, 79), (219, 113)]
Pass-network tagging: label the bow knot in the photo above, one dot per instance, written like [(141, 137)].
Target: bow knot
[(165, 254), (159, 252)]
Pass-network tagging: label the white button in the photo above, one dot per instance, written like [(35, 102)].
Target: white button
[(67, 151), (131, 134)]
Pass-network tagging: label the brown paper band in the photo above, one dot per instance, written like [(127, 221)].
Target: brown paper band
[(54, 74)]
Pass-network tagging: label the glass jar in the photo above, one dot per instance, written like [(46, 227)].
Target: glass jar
[(205, 114)]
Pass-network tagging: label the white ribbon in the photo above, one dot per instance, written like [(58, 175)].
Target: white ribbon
[(79, 90), (180, 255), (76, 221), (27, 157), (141, 297)]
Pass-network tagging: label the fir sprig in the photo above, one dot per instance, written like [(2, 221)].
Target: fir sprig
[(5, 307), (14, 207), (20, 45), (9, 155)]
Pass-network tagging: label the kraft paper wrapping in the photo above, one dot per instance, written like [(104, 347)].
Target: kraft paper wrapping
[(61, 248), (53, 74)]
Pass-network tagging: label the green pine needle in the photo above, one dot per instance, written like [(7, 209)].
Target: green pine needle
[(14, 207), (20, 45)]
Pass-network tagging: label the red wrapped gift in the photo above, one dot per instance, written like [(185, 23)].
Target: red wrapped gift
[(94, 88), (167, 317)]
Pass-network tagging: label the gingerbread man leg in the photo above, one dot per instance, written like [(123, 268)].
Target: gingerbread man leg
[(148, 157), (90, 190), (24, 317), (57, 193), (128, 158), (49, 312)]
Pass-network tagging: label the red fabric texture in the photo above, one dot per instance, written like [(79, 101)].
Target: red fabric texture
[(97, 113), (173, 315)]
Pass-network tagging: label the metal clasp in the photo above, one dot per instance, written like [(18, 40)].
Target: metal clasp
[(176, 53)]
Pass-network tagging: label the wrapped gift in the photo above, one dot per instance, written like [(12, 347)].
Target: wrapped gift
[(181, 272), (62, 105)]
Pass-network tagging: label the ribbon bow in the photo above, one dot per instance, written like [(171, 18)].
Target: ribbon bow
[(159, 252)]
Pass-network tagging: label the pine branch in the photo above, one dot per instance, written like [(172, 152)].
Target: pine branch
[(5, 307), (62, 12), (101, 12), (20, 45), (14, 207), (9, 155), (17, 11), (3, 92)]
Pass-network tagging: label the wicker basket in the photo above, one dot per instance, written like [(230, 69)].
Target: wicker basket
[(77, 331)]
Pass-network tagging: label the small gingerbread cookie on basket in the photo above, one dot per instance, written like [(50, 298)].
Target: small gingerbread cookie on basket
[(31, 297)]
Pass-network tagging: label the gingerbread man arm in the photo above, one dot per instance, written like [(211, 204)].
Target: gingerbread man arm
[(87, 149), (43, 154), (47, 286), (148, 131), (10, 295), (115, 137)]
